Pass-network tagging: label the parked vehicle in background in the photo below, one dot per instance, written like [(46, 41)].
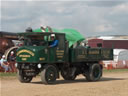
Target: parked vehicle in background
[(120, 60)]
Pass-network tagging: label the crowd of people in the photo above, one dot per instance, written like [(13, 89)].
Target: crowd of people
[(8, 65)]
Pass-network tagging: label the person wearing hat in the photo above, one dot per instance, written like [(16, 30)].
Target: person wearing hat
[(12, 57), (54, 42), (29, 29), (5, 64)]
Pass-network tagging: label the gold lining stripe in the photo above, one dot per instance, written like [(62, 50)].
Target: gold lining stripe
[(94, 52), (24, 56), (59, 56), (60, 51), (24, 59), (25, 51), (42, 59)]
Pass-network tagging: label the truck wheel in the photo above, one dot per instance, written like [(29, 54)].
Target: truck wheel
[(49, 74), (95, 73), (67, 74), (23, 79)]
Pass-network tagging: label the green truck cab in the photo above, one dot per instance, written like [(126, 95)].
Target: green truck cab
[(36, 57)]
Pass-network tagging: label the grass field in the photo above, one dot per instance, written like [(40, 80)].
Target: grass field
[(115, 70), (104, 71), (7, 74)]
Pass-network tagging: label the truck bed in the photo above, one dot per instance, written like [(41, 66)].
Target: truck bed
[(90, 54)]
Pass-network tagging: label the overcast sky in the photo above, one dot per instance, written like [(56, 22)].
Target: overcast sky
[(90, 17)]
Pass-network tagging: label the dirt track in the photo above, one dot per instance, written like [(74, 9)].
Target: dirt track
[(112, 84)]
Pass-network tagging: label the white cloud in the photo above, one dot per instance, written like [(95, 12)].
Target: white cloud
[(104, 28), (122, 8), (90, 19)]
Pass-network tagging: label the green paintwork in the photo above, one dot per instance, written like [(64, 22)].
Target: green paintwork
[(42, 54), (90, 54), (60, 54), (38, 51)]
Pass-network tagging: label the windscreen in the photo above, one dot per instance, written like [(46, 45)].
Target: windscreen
[(36, 40)]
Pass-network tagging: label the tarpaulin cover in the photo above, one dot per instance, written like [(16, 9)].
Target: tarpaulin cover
[(72, 35)]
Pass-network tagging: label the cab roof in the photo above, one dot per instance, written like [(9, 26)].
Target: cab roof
[(39, 33)]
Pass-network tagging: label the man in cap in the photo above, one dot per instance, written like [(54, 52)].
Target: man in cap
[(5, 64), (12, 57), (54, 42), (29, 29)]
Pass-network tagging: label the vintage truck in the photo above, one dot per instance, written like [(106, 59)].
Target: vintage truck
[(35, 57)]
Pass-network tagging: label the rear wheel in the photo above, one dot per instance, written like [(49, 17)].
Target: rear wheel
[(23, 79), (49, 74), (94, 73), (68, 73)]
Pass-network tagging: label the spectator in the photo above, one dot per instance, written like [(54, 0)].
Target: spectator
[(12, 56), (0, 60), (0, 55), (5, 64), (12, 59)]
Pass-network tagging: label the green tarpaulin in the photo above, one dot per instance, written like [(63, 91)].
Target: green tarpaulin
[(72, 35)]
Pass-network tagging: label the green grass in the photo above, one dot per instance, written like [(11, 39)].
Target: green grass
[(2, 74), (115, 70)]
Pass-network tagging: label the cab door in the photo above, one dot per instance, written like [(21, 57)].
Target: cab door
[(57, 54), (60, 49)]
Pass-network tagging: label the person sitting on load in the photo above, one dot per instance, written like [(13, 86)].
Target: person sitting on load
[(43, 28), (54, 42), (29, 29), (87, 46)]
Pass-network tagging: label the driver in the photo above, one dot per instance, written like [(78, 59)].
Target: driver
[(54, 42)]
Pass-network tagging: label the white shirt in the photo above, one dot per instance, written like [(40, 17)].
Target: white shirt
[(2, 61)]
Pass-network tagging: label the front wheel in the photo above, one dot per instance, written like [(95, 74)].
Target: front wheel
[(49, 74), (94, 73), (23, 79)]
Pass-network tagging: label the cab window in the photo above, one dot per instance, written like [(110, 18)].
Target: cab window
[(36, 40)]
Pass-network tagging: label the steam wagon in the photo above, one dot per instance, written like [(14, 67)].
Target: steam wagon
[(35, 57)]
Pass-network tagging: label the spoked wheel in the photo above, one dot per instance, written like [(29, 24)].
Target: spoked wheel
[(49, 74), (68, 73), (23, 79), (94, 73)]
